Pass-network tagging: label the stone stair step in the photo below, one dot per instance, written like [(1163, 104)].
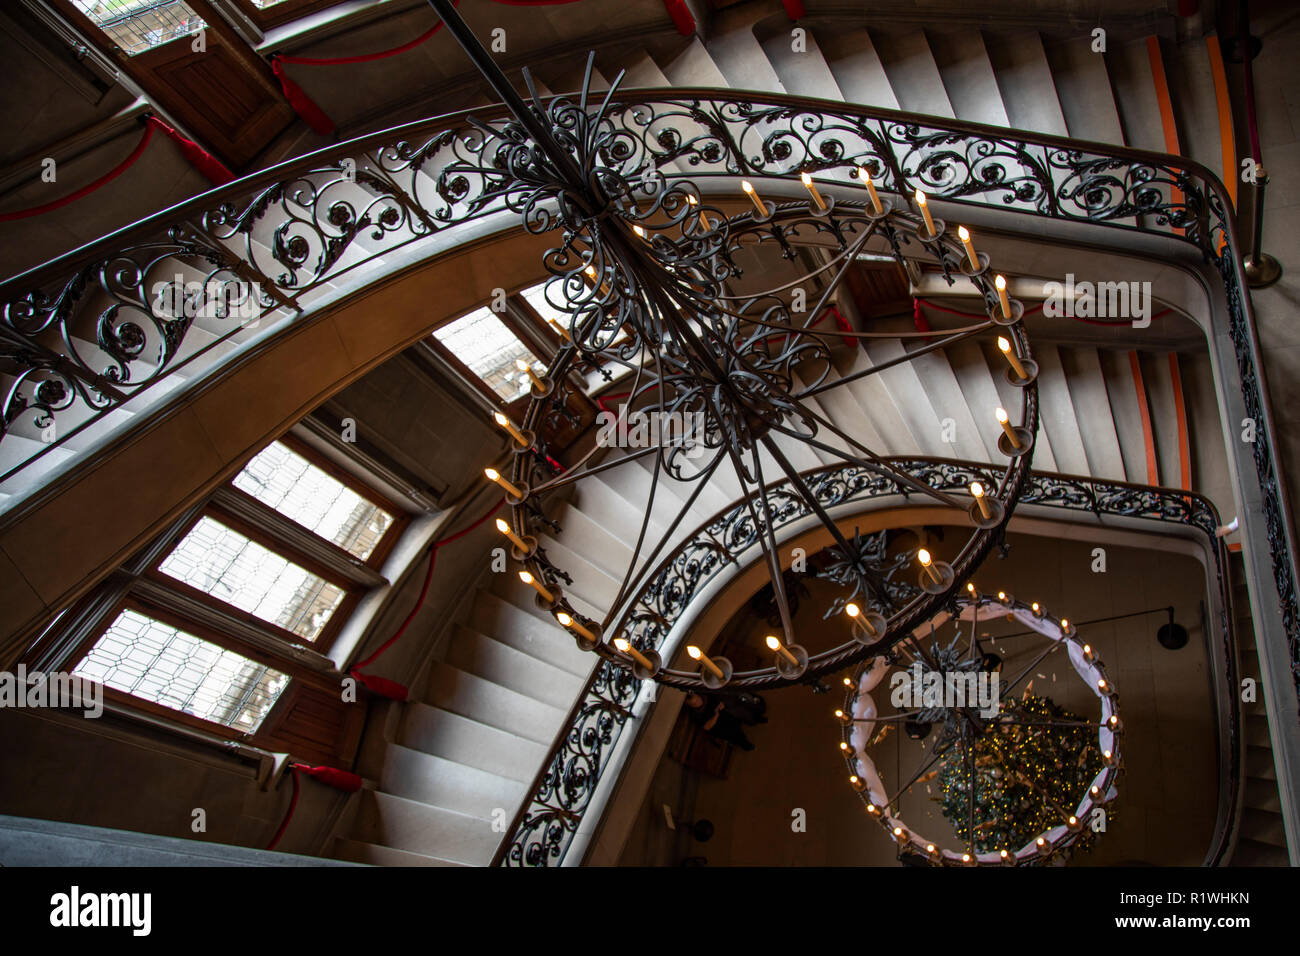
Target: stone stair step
[(1083, 88), (451, 688), (741, 61), (968, 76), (448, 784), (355, 851), (500, 663), (803, 73), (1094, 416), (1129, 66), (530, 633), (856, 67), (1025, 79), (443, 733), (913, 74), (391, 821)]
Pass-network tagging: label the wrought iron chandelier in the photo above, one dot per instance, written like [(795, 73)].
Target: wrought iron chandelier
[(644, 274), (987, 754)]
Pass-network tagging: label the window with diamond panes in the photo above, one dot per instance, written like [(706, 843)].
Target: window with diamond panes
[(244, 573), (487, 347), (166, 665), (282, 479)]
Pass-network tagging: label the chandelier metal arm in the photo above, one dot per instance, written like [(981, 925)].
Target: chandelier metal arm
[(635, 576), (774, 557), (1032, 664), (500, 83), (926, 765), (875, 583)]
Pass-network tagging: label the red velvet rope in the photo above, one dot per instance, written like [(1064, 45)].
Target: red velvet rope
[(288, 815), (197, 156), (424, 591), (89, 188)]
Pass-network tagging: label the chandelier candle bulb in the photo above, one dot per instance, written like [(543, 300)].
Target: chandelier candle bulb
[(517, 541), (695, 654), (927, 564), (812, 191), (842, 717), (493, 475), (856, 783), (1004, 346), (537, 586), (532, 376), (560, 330), (759, 205), (775, 644), (925, 211), (1003, 420), (977, 492), (871, 190), (1000, 283), (1087, 648), (575, 625), (515, 433), (964, 235), (624, 646)]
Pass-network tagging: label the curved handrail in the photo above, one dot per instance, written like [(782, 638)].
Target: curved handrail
[(82, 334), (564, 786)]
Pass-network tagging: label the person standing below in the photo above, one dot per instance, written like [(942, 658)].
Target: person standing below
[(711, 715)]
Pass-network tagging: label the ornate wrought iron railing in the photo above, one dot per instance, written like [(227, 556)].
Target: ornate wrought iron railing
[(85, 333), (564, 787), (169, 297)]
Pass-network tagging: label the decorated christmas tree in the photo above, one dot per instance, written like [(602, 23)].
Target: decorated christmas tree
[(1029, 776)]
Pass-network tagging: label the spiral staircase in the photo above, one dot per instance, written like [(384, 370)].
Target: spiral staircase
[(446, 769)]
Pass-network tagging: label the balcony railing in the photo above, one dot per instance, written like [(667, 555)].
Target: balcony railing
[(119, 324), (563, 790)]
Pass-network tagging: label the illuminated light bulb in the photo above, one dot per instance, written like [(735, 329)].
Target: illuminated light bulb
[(848, 682), (871, 189), (517, 541), (1000, 284), (1004, 420), (577, 626), (925, 211), (977, 492), (695, 654), (1065, 623), (844, 747), (852, 610), (537, 586), (900, 835), (759, 205), (1004, 346), (528, 370), (1095, 791), (964, 235), (811, 186), (927, 566), (872, 809), (493, 475), (842, 717), (965, 857), (509, 426), (1102, 686), (1004, 855), (624, 646), (775, 644), (1035, 608), (970, 587), (1002, 596)]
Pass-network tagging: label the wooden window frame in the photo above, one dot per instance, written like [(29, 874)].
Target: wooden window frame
[(283, 12)]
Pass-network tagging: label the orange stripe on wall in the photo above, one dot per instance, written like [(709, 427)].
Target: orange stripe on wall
[(1167, 124), (1144, 412), (1227, 142), (1180, 412)]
